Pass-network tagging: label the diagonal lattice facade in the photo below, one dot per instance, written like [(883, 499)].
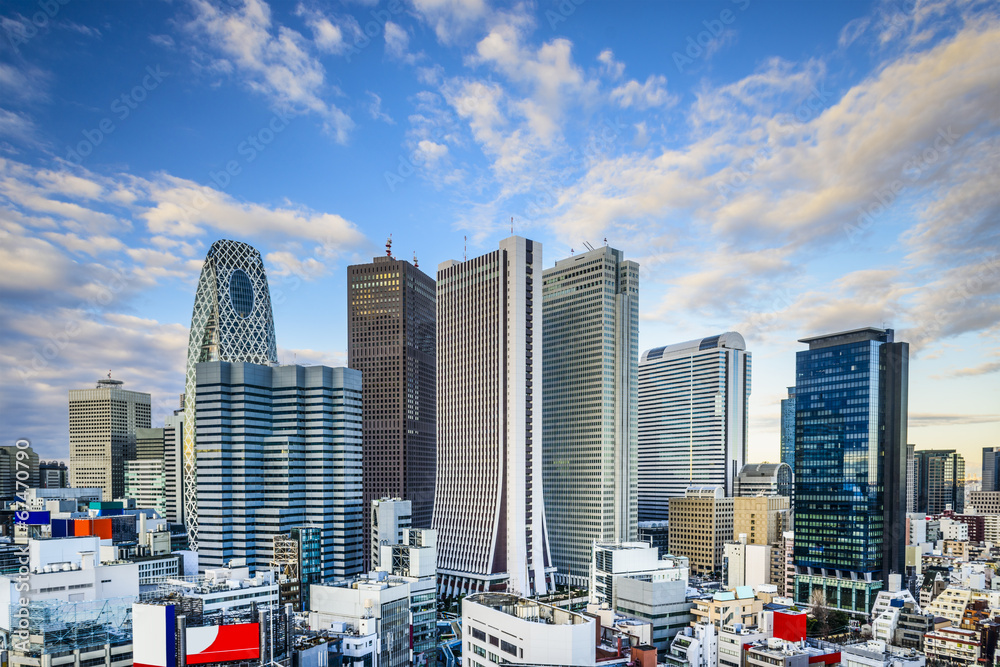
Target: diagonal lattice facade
[(231, 321)]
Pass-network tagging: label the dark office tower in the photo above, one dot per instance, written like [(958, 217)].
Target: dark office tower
[(940, 481), (391, 340), (991, 469), (911, 479), (850, 466)]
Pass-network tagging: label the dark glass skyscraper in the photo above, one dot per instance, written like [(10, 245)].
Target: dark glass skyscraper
[(391, 340), (940, 477), (991, 469), (850, 466)]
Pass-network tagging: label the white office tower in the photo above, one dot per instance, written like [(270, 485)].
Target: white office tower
[(102, 425), (488, 505), (589, 423), (279, 447), (692, 419)]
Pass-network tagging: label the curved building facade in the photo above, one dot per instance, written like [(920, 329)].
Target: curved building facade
[(231, 321)]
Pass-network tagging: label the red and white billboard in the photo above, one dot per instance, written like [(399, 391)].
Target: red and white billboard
[(223, 643), (153, 633)]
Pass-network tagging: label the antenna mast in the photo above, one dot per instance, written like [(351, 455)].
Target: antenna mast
[(465, 248), (388, 246), (415, 264)]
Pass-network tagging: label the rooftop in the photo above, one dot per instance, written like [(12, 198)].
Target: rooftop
[(527, 609)]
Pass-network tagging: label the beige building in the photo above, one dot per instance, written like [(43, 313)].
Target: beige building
[(729, 607), (102, 426), (985, 502), (760, 518), (701, 523)]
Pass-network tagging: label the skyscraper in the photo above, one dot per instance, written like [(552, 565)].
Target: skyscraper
[(279, 448), (911, 479), (590, 412), (692, 419), (231, 321), (850, 466), (102, 425), (145, 475), (991, 469), (18, 464), (940, 480), (488, 507), (173, 466), (390, 319), (788, 429)]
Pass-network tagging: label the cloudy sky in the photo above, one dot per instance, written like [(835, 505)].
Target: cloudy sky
[(781, 169)]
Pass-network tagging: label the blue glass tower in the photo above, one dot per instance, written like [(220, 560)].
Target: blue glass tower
[(788, 429), (850, 466)]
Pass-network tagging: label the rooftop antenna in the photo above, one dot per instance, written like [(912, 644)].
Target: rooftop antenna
[(571, 252), (511, 225), (415, 264), (465, 248), (109, 374), (605, 240), (388, 246), (588, 246)]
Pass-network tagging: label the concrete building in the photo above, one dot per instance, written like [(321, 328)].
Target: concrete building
[(695, 646), (231, 321), (378, 602), (508, 629), (489, 502), (846, 546), (727, 608), (173, 466), (746, 564), (14, 460), (278, 447), (878, 654), (145, 475), (761, 518), (701, 523), (53, 474), (391, 340), (985, 502), (389, 517), (764, 479), (953, 646), (692, 419), (589, 415), (102, 426), (612, 560), (776, 652), (662, 603), (940, 481), (414, 559)]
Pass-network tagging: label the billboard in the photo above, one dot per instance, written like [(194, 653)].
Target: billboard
[(153, 633), (223, 643), (32, 518)]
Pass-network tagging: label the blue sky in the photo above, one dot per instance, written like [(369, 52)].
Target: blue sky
[(781, 169)]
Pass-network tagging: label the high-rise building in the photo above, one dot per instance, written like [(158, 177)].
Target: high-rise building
[(488, 507), (145, 476), (692, 419), (761, 518), (18, 464), (701, 522), (590, 412), (911, 479), (389, 517), (279, 447), (102, 425), (850, 466), (788, 428), (765, 479), (991, 469), (296, 559), (231, 321), (173, 466), (390, 319), (940, 481), (53, 475)]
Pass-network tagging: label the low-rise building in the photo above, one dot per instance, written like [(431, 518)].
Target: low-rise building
[(662, 603), (952, 646), (504, 628), (746, 564), (775, 652), (878, 654), (610, 560)]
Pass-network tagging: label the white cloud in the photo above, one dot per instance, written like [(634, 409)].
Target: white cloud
[(652, 93), (273, 59), (451, 19), (609, 66)]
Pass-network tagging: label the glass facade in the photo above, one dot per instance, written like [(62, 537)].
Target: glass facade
[(788, 429), (940, 477), (849, 467)]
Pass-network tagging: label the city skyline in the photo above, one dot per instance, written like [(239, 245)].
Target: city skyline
[(724, 177)]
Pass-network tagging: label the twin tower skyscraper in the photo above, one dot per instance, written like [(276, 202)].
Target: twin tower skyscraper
[(454, 375)]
